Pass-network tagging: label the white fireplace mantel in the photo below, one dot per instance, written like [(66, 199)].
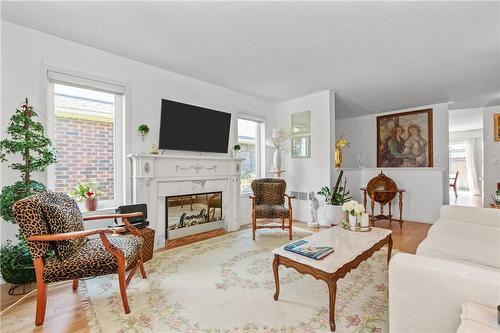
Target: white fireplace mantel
[(155, 177)]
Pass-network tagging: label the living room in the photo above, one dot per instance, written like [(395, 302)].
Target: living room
[(184, 145)]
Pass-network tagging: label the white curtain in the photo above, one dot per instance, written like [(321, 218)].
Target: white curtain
[(470, 161)]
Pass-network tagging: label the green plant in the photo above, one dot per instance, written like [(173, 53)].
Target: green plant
[(143, 129), (237, 147), (16, 265), (341, 197), (86, 190), (27, 138)]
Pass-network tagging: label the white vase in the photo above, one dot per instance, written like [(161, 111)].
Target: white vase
[(334, 214), (277, 160), (353, 219)]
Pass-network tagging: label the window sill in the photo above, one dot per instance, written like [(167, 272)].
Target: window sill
[(100, 211)]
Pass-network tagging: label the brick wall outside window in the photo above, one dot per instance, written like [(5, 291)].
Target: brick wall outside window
[(85, 151)]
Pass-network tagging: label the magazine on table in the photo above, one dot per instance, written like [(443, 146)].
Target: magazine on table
[(308, 249)]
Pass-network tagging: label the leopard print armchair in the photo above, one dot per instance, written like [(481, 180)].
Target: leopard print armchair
[(268, 202), (62, 250)]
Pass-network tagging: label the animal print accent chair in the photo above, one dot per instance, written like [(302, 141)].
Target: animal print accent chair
[(270, 198), (49, 213)]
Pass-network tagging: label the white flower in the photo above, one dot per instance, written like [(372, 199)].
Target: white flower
[(359, 209)]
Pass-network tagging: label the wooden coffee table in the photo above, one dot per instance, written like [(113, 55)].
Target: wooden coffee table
[(351, 248)]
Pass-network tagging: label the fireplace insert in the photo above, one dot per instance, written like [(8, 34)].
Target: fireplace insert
[(192, 210)]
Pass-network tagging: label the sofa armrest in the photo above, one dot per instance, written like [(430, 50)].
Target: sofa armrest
[(474, 215), (426, 294)]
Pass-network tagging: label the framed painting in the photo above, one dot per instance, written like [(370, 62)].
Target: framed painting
[(405, 139), (496, 126)]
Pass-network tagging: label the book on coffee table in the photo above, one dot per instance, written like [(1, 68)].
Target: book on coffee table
[(308, 249)]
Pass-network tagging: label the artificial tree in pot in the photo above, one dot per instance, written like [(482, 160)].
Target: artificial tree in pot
[(26, 138), (334, 199)]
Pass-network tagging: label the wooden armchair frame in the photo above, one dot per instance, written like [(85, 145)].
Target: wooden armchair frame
[(41, 297), (283, 227)]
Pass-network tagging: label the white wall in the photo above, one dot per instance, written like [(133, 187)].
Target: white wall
[(491, 153), (25, 50), (362, 134), (309, 174)]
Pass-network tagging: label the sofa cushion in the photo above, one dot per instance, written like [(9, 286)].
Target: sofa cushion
[(474, 215), (473, 244)]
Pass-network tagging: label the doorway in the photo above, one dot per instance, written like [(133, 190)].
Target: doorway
[(466, 157)]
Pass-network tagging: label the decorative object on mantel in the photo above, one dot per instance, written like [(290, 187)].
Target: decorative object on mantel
[(314, 202), (383, 190), (25, 139), (88, 192), (237, 149), (405, 139), (143, 130), (496, 200), (154, 149), (277, 173), (339, 144), (278, 140), (334, 199), (496, 126)]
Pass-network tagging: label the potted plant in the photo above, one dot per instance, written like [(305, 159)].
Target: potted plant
[(26, 139), (237, 149), (496, 200), (88, 192), (333, 203), (143, 130)]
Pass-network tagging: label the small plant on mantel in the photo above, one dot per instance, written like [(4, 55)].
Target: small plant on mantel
[(143, 130)]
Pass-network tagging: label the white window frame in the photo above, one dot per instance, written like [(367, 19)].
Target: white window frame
[(260, 144), (51, 75)]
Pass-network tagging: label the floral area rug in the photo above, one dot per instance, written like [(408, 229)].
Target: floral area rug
[(226, 284)]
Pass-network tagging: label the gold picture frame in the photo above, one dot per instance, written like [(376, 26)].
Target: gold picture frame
[(496, 126)]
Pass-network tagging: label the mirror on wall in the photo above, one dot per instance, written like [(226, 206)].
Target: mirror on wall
[(301, 134)]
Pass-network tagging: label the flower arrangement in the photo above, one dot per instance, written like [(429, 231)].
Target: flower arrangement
[(278, 139), (86, 190), (353, 207)]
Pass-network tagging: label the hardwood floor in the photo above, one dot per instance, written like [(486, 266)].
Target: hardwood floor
[(65, 308)]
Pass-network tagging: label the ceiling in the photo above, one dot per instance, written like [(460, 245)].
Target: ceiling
[(465, 119), (377, 56)]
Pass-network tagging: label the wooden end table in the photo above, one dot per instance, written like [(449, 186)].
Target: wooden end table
[(351, 248)]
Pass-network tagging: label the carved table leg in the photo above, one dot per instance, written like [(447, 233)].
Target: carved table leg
[(276, 263), (389, 249), (372, 218), (401, 210), (390, 213), (332, 293)]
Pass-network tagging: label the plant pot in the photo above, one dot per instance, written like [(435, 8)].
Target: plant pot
[(91, 204), (334, 214), (277, 160)]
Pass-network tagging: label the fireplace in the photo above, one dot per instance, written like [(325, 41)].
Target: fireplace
[(187, 214)]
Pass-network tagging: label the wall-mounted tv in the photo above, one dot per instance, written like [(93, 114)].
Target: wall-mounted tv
[(193, 128)]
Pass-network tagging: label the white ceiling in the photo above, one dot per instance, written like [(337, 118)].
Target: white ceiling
[(465, 119), (377, 56)]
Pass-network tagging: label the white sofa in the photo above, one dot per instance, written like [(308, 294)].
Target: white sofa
[(458, 262)]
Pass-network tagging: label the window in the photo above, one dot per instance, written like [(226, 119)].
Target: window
[(86, 135), (250, 139), (458, 163)]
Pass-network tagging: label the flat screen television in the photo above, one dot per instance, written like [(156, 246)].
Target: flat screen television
[(193, 128)]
